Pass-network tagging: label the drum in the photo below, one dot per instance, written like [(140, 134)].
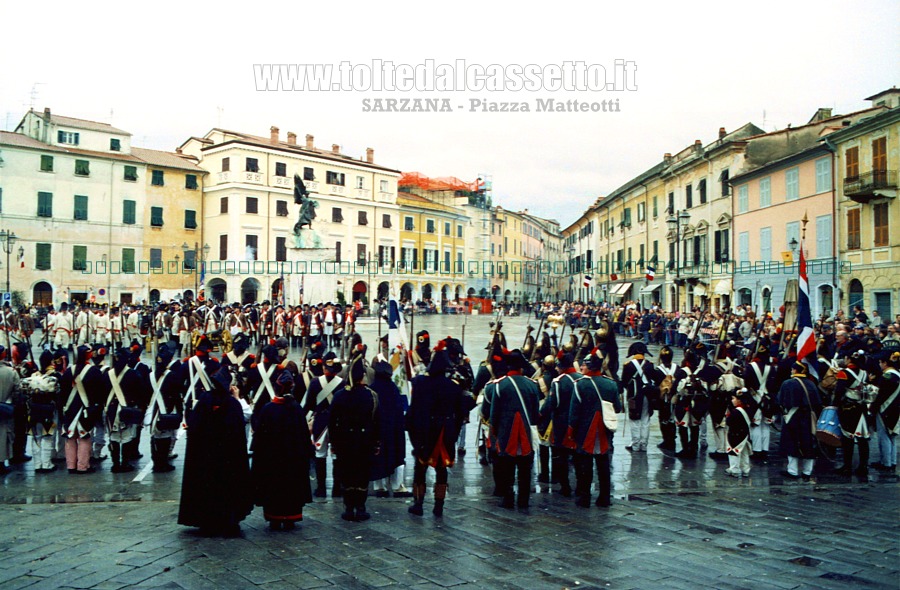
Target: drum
[(828, 428)]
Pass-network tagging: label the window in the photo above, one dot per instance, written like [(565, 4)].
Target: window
[(337, 252), (280, 169), (252, 165), (82, 168), (280, 249), (131, 173), (158, 178), (723, 178), (46, 163), (823, 236), (446, 228), (336, 216), (190, 181), (851, 157), (765, 192), (384, 186), (721, 242), (823, 175), (251, 205), (383, 253), (360, 253), (45, 205), (308, 174), (743, 198), (689, 196), (671, 203), (156, 216), (408, 224), (281, 209), (156, 258), (67, 137), (446, 266), (640, 257), (429, 226), (115, 145), (79, 257), (128, 212), (701, 188), (744, 246), (626, 217), (251, 247), (190, 219), (853, 229), (81, 208), (223, 205), (42, 256), (226, 164), (459, 233), (879, 156), (128, 260), (655, 258), (336, 178), (363, 218), (792, 184), (880, 213), (190, 260), (640, 211), (360, 182), (223, 247), (386, 221), (655, 206), (765, 244)]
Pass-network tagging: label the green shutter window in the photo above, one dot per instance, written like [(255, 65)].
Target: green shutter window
[(115, 145), (131, 173), (190, 219), (81, 208), (155, 258), (42, 257), (46, 163), (82, 168), (128, 208), (128, 260), (156, 216), (79, 258), (157, 178), (45, 205), (190, 181)]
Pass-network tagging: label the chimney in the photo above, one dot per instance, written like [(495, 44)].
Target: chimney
[(667, 158), (309, 141), (292, 138), (698, 146), (178, 150), (722, 133), (273, 134), (370, 155), (335, 149), (822, 114)]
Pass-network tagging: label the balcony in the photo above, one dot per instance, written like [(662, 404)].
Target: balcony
[(336, 189), (361, 193), (872, 185), (282, 181)]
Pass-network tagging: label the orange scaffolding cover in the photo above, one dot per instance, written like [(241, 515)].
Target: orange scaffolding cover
[(443, 183)]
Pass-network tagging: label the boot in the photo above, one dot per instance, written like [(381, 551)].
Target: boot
[(418, 499), (685, 444), (159, 451), (360, 502), (337, 488), (544, 475), (321, 474), (115, 452), (561, 473), (847, 447), (440, 492), (349, 507), (668, 437)]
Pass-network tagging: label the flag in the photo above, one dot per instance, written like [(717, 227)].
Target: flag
[(587, 280), (614, 277), (21, 258), (398, 345), (806, 338), (202, 274), (651, 272)]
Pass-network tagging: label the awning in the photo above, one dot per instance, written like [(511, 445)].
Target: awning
[(620, 289), (650, 288), (699, 290), (722, 287)]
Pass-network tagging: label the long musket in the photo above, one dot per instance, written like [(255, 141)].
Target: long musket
[(534, 350)]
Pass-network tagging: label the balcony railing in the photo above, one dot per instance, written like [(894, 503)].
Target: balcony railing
[(870, 185)]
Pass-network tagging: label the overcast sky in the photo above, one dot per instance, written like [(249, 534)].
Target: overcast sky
[(170, 70)]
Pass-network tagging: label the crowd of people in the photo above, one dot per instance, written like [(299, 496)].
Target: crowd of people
[(552, 405)]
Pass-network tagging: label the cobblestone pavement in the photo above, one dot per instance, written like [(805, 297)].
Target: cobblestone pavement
[(673, 524)]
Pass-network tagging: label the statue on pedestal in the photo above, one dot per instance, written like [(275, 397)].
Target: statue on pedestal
[(308, 238)]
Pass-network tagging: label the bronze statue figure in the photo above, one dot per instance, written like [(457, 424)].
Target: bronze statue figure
[(307, 205)]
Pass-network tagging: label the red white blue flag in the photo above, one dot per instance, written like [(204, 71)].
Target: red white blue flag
[(806, 338), (587, 280), (651, 272)]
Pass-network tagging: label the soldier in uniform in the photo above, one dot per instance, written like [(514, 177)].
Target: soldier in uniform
[(886, 409), (556, 409), (166, 411), (691, 403), (639, 382), (123, 411), (738, 423), (421, 353), (261, 380), (319, 397), (799, 400), (759, 379), (63, 327), (389, 465), (43, 420), (9, 385), (197, 373), (83, 387), (587, 434), (666, 370), (852, 398), (353, 423)]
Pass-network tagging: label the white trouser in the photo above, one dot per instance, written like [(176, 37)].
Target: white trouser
[(759, 437), (796, 463), (393, 482), (42, 447), (721, 443), (99, 440), (640, 429), (703, 429), (740, 463), (124, 435)]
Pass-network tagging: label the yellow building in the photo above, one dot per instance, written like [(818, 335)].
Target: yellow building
[(867, 158)]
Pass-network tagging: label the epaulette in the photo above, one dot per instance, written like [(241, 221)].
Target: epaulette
[(253, 365), (841, 375)]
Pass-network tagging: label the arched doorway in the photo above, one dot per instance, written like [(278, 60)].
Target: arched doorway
[(484, 293), (445, 294), (42, 294), (470, 292), (384, 290), (458, 293), (277, 291), (359, 292), (406, 291), (506, 295), (154, 296), (856, 296), (249, 291), (745, 296), (427, 291), (826, 294), (495, 292), (218, 290)]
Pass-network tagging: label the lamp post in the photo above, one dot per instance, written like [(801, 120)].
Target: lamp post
[(570, 251), (8, 239), (675, 221), (794, 245), (199, 257)]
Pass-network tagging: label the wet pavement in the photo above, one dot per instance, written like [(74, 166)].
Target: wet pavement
[(673, 524)]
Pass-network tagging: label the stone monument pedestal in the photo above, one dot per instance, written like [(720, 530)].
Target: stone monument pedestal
[(319, 281)]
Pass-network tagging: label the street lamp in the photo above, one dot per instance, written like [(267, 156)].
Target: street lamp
[(570, 251), (9, 239), (794, 245), (675, 221)]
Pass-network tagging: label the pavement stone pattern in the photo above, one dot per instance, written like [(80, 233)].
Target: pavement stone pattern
[(673, 524)]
